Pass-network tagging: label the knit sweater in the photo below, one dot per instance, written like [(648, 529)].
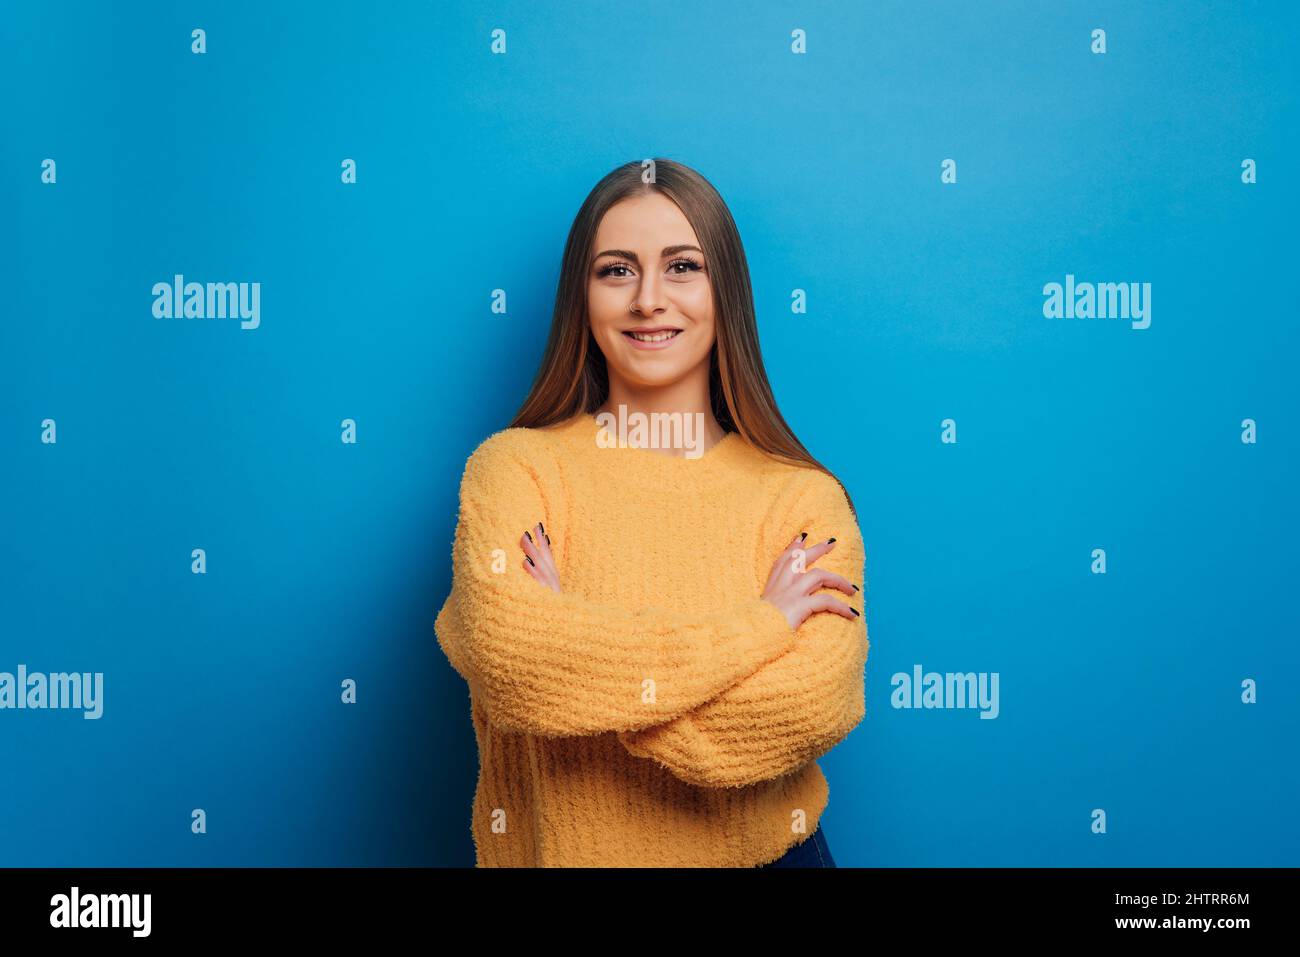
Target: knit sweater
[(656, 712)]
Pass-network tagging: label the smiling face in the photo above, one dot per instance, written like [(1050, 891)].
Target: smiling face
[(649, 299)]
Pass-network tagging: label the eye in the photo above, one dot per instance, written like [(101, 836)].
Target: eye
[(690, 264), (609, 269)]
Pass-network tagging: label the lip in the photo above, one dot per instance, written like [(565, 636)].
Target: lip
[(638, 344)]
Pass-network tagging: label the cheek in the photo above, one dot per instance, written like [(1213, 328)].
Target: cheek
[(701, 311), (696, 301), (603, 309), (701, 347)]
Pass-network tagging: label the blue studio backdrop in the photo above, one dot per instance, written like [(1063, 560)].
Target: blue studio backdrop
[(1024, 278)]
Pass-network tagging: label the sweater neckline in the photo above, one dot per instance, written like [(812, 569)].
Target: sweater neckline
[(585, 428)]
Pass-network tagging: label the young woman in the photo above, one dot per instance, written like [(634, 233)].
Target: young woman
[(653, 581)]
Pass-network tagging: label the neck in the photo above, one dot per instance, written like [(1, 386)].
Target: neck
[(689, 397)]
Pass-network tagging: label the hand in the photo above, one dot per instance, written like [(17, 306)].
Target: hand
[(791, 583), (538, 560)]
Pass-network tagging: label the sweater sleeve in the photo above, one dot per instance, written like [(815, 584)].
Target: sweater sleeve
[(796, 707), (555, 663)]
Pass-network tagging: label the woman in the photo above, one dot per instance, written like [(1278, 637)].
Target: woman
[(652, 679)]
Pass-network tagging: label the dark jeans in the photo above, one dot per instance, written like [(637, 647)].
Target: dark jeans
[(810, 852)]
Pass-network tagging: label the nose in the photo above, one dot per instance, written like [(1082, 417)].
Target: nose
[(648, 300)]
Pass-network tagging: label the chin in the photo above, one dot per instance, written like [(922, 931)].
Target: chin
[(645, 377), (652, 370)]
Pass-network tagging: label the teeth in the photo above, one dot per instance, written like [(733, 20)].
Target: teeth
[(652, 337)]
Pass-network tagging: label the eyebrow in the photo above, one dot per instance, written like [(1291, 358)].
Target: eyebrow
[(628, 254)]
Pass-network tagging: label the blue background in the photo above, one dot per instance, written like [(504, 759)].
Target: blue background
[(1118, 691)]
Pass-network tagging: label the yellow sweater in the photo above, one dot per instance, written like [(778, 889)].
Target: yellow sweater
[(655, 712)]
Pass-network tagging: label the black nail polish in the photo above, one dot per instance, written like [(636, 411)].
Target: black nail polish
[(856, 588), (803, 536), (529, 537), (530, 561), (548, 539), (829, 540), (856, 612), (541, 527)]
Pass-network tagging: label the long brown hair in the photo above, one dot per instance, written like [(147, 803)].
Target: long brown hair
[(573, 376)]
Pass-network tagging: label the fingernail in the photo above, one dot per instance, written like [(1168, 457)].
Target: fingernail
[(530, 561), (829, 540), (542, 527), (803, 536), (548, 539), (529, 537), (856, 588), (856, 612)]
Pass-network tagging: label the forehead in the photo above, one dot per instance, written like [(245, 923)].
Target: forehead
[(650, 221)]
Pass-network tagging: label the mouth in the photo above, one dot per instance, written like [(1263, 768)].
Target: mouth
[(651, 338)]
